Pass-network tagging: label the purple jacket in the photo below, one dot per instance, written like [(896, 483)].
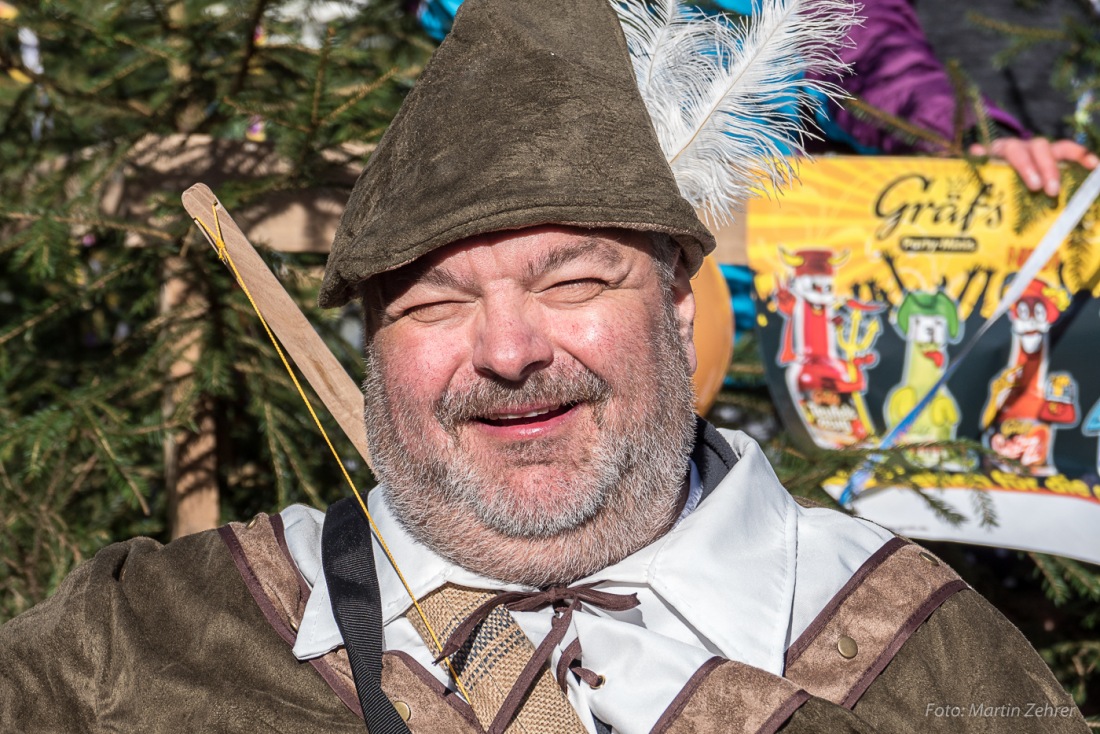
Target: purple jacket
[(895, 70)]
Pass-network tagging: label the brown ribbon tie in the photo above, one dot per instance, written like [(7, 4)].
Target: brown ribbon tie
[(565, 600)]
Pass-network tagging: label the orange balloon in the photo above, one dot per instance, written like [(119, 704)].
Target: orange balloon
[(713, 333)]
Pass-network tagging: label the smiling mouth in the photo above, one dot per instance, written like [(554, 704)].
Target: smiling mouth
[(522, 417)]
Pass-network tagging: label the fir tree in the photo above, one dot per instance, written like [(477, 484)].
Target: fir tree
[(136, 387)]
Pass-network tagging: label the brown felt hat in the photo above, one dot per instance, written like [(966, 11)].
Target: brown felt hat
[(527, 114)]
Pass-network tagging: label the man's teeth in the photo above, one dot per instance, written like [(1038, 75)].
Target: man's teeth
[(512, 416)]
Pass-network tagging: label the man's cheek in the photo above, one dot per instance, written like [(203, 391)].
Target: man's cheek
[(599, 337), (412, 409)]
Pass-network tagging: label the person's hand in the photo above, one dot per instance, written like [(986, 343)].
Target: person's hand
[(1036, 160)]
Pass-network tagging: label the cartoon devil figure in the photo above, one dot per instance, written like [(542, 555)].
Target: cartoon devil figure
[(1026, 404), (827, 387)]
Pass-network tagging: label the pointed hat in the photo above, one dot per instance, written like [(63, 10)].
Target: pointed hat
[(527, 114)]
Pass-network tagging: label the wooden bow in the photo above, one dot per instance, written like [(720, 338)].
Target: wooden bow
[(316, 362), (279, 314)]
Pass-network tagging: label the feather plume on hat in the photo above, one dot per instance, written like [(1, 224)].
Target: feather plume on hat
[(720, 91), (632, 114)]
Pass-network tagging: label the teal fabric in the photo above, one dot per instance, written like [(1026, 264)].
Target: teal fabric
[(436, 16)]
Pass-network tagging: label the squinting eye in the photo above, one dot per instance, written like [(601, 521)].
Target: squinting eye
[(430, 312), (580, 289)]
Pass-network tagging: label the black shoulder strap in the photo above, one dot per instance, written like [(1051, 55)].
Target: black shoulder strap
[(713, 457), (348, 562)]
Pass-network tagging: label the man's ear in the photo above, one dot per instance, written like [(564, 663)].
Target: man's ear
[(683, 299)]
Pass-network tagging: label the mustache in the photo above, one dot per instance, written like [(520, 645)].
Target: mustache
[(489, 396)]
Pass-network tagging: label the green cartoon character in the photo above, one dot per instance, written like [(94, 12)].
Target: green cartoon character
[(928, 322)]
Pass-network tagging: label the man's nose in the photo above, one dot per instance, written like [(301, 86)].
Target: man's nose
[(510, 343)]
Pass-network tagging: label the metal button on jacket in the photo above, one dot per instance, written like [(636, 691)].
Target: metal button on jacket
[(847, 647)]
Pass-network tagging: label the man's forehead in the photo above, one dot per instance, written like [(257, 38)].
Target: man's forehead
[(524, 254)]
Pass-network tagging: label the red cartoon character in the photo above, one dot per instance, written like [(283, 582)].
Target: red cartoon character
[(1026, 404), (826, 386)]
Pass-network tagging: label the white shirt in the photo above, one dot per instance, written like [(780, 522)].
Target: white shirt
[(740, 577)]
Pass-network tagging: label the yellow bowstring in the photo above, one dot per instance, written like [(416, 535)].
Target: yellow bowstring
[(223, 254)]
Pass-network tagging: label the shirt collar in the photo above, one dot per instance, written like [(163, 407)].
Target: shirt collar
[(728, 569), (748, 522)]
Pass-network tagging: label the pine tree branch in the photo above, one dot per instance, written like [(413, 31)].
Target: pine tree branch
[(81, 473), (273, 450), (358, 95), (90, 223), (250, 46), (944, 511), (270, 119), (66, 300), (299, 471), (902, 128), (960, 88), (983, 505), (1087, 584), (118, 76), (51, 85), (1059, 591), (319, 80), (1031, 33), (109, 451), (125, 41)]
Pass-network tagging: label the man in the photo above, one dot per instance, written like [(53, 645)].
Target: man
[(553, 522)]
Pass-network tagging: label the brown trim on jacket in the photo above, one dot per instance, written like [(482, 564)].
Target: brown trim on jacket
[(437, 689), (744, 699), (262, 558), (260, 561), (862, 628), (279, 529), (260, 553), (673, 711), (829, 610), (934, 602), (780, 715)]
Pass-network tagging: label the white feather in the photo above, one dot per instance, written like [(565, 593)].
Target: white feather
[(651, 31), (721, 93)]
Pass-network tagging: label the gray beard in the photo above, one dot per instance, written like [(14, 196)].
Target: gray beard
[(622, 494)]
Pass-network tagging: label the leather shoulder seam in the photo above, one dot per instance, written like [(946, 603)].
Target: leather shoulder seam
[(923, 612), (867, 622), (450, 697), (677, 706), (248, 575), (871, 564)]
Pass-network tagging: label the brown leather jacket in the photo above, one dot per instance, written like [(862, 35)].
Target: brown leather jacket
[(197, 636)]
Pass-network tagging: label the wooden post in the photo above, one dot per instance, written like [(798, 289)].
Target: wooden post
[(190, 458)]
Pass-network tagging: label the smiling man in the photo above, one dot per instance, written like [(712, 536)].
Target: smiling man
[(535, 388), (561, 544)]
